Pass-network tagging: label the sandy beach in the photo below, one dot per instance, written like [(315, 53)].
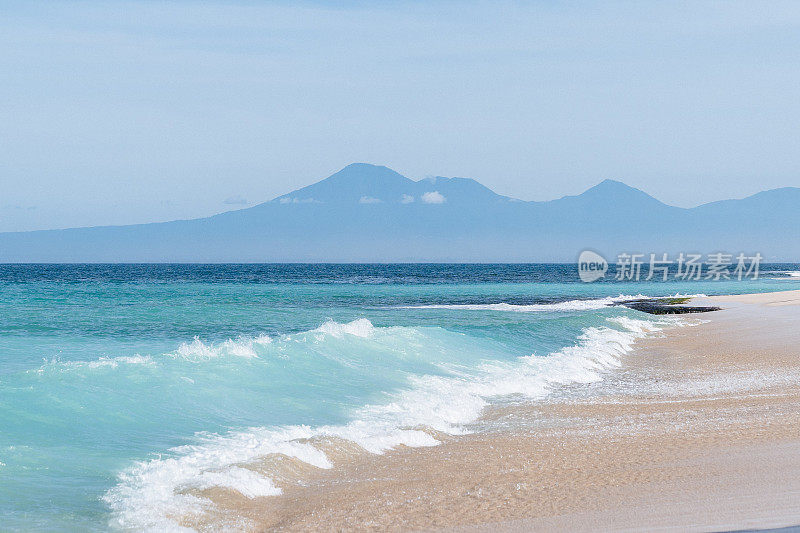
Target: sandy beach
[(698, 430)]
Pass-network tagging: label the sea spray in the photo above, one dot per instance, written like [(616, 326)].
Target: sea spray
[(587, 304), (152, 493)]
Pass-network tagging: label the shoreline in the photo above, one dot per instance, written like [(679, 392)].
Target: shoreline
[(699, 429)]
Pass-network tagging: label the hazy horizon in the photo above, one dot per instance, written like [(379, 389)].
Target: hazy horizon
[(118, 113), (233, 205)]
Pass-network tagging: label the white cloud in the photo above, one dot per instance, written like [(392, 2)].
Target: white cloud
[(369, 200), (433, 197), (406, 199)]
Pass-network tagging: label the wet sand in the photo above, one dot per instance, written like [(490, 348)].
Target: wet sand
[(699, 430)]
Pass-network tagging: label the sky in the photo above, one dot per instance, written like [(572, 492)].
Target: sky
[(131, 111)]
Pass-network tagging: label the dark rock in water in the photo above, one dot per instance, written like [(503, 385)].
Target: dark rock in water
[(667, 306)]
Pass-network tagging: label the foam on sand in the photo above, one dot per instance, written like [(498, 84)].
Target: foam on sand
[(154, 493)]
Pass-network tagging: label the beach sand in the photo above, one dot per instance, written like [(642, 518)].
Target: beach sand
[(698, 430)]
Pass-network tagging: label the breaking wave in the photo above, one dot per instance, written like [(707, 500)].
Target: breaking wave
[(155, 494), (569, 305)]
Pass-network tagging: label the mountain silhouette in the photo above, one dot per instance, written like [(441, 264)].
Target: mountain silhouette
[(369, 213), (365, 183)]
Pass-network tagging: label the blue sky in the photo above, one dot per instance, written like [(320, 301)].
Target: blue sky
[(123, 112)]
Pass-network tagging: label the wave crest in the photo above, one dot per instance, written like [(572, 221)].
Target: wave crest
[(152, 493), (358, 328), (569, 305), (197, 350)]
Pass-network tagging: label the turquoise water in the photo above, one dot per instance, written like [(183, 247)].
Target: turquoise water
[(122, 388)]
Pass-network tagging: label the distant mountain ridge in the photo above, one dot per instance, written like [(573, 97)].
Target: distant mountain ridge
[(370, 213)]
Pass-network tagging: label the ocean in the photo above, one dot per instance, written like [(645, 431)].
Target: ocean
[(126, 390)]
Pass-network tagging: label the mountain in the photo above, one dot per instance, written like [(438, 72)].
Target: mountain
[(368, 213), (364, 183), (612, 192)]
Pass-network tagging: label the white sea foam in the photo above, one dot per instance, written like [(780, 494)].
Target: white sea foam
[(116, 361), (197, 350), (753, 381), (102, 362), (359, 328), (152, 493), (247, 482), (681, 295), (786, 274), (569, 305)]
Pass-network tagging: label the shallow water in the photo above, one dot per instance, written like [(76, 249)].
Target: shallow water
[(123, 387)]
